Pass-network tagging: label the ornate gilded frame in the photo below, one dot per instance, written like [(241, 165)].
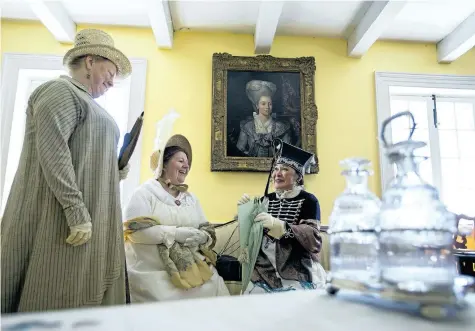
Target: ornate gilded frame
[(222, 62)]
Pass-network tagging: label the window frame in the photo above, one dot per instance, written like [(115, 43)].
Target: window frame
[(385, 80), (12, 63), (434, 144)]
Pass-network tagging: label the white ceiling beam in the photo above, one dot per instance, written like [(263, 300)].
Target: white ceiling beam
[(376, 19), (55, 18), (458, 42), (266, 25), (161, 22)]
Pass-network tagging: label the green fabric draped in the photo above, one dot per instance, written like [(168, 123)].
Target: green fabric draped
[(251, 234)]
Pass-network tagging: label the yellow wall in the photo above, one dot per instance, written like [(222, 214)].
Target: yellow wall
[(471, 241), (181, 78)]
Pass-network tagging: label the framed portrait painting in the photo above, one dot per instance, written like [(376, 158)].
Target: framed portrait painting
[(256, 100)]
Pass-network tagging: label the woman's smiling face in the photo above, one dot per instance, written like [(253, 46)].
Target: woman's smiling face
[(284, 177), (176, 169)]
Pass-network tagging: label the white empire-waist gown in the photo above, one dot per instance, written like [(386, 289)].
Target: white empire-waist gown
[(148, 279)]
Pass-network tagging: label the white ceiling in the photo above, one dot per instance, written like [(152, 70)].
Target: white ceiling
[(429, 21), (423, 20), (418, 20)]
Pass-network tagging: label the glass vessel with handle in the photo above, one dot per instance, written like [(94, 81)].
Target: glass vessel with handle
[(354, 242), (416, 229)]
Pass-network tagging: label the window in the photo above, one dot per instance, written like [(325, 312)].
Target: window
[(26, 72), (444, 111)]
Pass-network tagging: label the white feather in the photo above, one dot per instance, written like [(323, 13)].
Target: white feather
[(164, 129)]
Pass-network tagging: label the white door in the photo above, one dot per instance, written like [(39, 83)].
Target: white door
[(25, 77), (28, 81)]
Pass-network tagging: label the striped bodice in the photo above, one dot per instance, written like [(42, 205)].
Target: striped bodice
[(286, 210)]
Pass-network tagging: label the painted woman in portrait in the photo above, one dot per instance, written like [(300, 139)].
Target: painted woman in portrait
[(257, 133)]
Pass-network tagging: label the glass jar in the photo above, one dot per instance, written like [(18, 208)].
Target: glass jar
[(353, 240), (416, 229)]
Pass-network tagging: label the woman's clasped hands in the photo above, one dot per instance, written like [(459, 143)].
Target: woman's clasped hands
[(190, 237)]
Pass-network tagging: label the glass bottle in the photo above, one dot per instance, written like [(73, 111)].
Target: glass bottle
[(354, 243), (416, 229)]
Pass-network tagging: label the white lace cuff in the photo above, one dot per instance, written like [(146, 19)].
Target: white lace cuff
[(168, 235)]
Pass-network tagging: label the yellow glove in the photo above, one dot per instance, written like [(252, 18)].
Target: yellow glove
[(276, 226), (80, 234)]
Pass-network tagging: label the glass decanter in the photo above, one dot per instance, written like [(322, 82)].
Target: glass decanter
[(353, 240), (416, 229)]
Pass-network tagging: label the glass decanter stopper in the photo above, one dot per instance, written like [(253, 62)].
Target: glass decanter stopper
[(416, 229), (354, 243)]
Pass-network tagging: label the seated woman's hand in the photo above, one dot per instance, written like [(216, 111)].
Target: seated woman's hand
[(244, 199), (199, 238), (276, 226), (190, 236)]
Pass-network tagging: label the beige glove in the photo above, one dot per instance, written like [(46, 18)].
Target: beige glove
[(80, 234), (276, 226), (124, 172), (244, 199)]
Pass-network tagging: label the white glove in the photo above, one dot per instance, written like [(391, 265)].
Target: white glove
[(124, 172), (244, 199), (190, 236), (276, 226), (80, 234), (196, 240)]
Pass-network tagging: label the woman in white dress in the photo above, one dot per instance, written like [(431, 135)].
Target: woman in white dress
[(181, 218)]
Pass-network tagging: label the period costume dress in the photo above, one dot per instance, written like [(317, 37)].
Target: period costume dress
[(67, 176), (153, 275), (149, 280), (290, 262), (255, 137)]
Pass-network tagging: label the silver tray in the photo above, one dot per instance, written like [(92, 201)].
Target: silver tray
[(433, 303)]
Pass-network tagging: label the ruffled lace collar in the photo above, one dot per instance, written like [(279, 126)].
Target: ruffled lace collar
[(260, 126), (289, 194)]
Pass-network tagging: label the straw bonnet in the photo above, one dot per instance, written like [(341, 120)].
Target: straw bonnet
[(257, 88), (178, 140), (97, 42)]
